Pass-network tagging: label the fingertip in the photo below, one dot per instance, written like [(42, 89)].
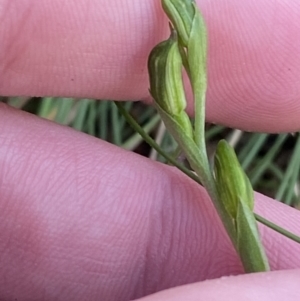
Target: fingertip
[(253, 64), (271, 286)]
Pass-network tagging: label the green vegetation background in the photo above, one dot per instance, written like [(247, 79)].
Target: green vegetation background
[(272, 162)]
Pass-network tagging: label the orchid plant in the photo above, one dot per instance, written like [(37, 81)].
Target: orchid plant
[(226, 182)]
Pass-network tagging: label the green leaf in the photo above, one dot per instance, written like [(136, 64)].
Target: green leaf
[(236, 193), (181, 13), (231, 181), (230, 188), (249, 246), (166, 84), (165, 74), (191, 29)]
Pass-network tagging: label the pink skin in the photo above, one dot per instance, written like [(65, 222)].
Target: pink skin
[(84, 220)]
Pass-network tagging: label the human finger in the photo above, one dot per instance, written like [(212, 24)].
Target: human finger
[(99, 49), (82, 218), (274, 286)]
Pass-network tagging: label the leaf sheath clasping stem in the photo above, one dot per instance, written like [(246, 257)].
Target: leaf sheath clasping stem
[(228, 186)]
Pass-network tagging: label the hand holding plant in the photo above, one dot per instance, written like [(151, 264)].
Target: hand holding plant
[(229, 187), (82, 219)]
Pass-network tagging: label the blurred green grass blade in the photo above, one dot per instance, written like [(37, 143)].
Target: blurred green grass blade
[(102, 113), (177, 151), (116, 125), (132, 142), (243, 153), (159, 136), (127, 130), (127, 106), (290, 195), (18, 102), (290, 177), (169, 145), (276, 171), (267, 184), (264, 163), (45, 106), (213, 131), (251, 149), (64, 106), (81, 113), (92, 118), (146, 113), (152, 143)]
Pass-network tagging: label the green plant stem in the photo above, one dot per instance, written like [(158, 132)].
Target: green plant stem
[(199, 163), (290, 176), (152, 143), (116, 120), (190, 174), (201, 166), (276, 228), (82, 109), (132, 142), (250, 150), (256, 174)]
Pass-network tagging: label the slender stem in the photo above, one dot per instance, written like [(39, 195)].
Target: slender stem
[(211, 190), (197, 161), (203, 170), (153, 144), (199, 98), (276, 228)]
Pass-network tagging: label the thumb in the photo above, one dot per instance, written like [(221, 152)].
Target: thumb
[(272, 286)]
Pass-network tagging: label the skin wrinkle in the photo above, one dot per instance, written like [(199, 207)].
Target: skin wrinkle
[(231, 38), (166, 239), (276, 286), (181, 226), (183, 252), (65, 230), (49, 268), (253, 57), (266, 86), (31, 218), (13, 42), (185, 268), (22, 250), (275, 241), (157, 239), (150, 249)]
